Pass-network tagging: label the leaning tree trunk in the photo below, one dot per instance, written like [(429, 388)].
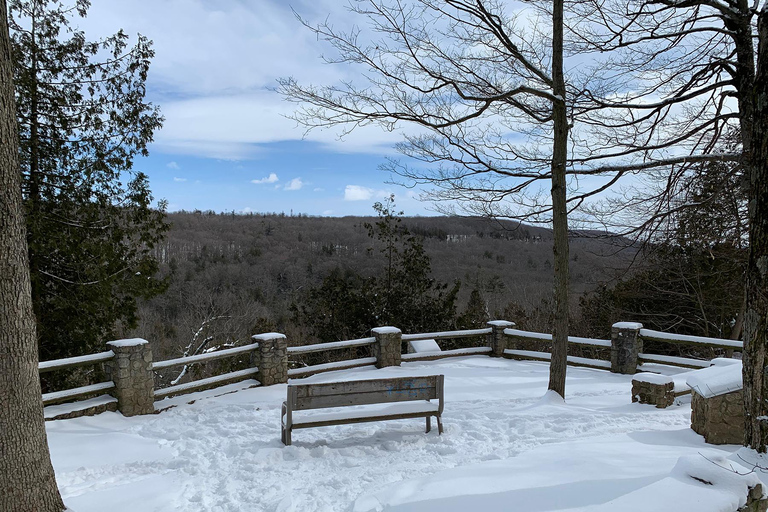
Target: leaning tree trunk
[(558, 362), (756, 317), (27, 481)]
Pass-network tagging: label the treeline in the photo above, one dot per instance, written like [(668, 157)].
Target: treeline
[(230, 276)]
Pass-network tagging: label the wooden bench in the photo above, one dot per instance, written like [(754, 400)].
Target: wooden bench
[(410, 398)]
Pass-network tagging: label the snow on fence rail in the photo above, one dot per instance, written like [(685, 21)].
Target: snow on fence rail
[(445, 335), (73, 362), (201, 358), (540, 336), (529, 355), (701, 341), (334, 345)]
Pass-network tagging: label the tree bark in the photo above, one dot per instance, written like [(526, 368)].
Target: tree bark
[(27, 480), (559, 360), (756, 317)]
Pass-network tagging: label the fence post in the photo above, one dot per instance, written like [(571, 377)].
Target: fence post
[(626, 344), (389, 346), (497, 340), (272, 358), (131, 371)]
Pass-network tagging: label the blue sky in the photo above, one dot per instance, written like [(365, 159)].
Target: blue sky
[(226, 144)]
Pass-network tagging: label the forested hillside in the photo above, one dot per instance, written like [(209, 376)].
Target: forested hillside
[(230, 275)]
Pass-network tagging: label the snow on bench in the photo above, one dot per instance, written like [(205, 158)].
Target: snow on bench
[(402, 398)]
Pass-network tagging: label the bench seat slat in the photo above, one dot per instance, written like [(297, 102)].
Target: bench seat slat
[(389, 412), (364, 398), (364, 386)]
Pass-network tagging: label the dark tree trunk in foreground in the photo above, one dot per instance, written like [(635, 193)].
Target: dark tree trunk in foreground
[(756, 317), (559, 208), (27, 481)]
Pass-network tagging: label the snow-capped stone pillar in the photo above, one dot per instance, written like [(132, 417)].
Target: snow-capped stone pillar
[(131, 371), (272, 357), (626, 344), (388, 347), (497, 340)]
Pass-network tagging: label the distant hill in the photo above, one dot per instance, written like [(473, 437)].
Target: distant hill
[(249, 269)]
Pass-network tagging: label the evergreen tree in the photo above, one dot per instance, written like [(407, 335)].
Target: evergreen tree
[(406, 295), (475, 315), (83, 119), (402, 293)]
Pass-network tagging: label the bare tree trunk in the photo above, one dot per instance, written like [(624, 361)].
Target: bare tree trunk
[(756, 318), (559, 361), (27, 481)]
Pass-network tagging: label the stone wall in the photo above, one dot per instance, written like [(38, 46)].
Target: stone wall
[(720, 419), (660, 393)]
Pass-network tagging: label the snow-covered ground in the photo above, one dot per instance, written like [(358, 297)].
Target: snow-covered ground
[(508, 446)]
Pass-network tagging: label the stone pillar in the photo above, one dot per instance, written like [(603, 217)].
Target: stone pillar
[(131, 371), (653, 389), (272, 358), (626, 344), (497, 340), (388, 347)]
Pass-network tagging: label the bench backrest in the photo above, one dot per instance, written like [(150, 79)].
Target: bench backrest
[(363, 392)]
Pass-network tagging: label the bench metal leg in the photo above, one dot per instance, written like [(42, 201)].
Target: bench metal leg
[(285, 429), (439, 425), (429, 424)]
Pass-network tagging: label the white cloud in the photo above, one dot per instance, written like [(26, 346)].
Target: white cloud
[(173, 165), (357, 193), (328, 212), (360, 193), (247, 209), (294, 184), (318, 189), (272, 178), (179, 179)]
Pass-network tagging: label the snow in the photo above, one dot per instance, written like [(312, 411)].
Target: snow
[(674, 360), (385, 330), (467, 333), (508, 445), (320, 347), (337, 365), (446, 353), (267, 336), (129, 342), (75, 361), (653, 378), (501, 323), (421, 346), (628, 325), (689, 339), (52, 411), (546, 356), (548, 337), (716, 380), (208, 356)]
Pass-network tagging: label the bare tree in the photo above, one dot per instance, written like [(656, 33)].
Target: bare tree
[(693, 71), (27, 480), (474, 82)]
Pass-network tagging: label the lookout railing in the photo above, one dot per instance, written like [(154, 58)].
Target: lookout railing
[(269, 360)]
